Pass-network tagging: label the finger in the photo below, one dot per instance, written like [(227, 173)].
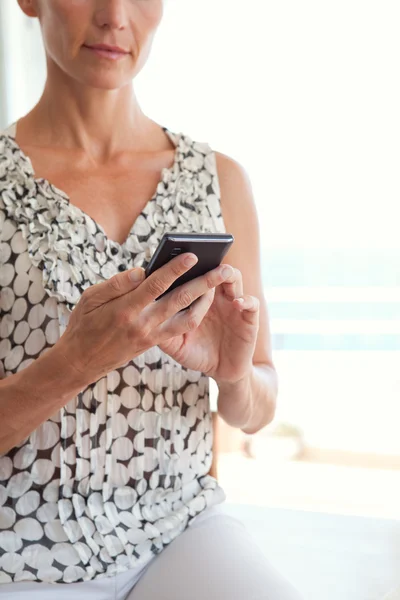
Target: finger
[(184, 295), (249, 306), (158, 282), (116, 286), (233, 285), (187, 320)]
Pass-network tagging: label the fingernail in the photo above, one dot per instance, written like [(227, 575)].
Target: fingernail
[(226, 272), (190, 260), (136, 274)]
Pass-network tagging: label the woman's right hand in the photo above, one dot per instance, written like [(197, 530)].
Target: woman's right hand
[(116, 320)]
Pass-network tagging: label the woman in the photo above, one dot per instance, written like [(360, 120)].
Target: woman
[(106, 437)]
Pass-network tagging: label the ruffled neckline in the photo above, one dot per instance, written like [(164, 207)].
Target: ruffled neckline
[(166, 176), (70, 247)]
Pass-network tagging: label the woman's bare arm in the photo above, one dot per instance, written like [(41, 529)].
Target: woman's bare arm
[(33, 395), (254, 399)]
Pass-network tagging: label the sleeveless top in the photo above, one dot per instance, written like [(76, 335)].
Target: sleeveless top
[(122, 469)]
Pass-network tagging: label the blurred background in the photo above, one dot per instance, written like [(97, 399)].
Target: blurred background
[(306, 95)]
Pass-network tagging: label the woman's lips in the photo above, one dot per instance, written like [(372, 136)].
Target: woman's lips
[(111, 54)]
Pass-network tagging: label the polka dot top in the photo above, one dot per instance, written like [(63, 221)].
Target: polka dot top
[(121, 470)]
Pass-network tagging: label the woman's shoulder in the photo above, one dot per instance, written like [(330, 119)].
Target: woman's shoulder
[(236, 193), (225, 165), (231, 175), (230, 169), (186, 141)]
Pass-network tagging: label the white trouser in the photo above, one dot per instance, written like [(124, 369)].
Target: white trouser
[(213, 559)]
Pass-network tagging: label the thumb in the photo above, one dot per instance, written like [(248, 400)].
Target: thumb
[(118, 285)]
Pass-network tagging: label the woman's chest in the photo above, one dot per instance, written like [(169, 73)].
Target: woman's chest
[(114, 204), (114, 196)]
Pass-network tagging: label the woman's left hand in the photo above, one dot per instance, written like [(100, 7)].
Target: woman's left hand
[(223, 344)]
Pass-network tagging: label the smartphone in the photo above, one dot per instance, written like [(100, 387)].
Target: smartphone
[(210, 249)]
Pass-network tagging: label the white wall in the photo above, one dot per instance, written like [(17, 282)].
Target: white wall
[(305, 94)]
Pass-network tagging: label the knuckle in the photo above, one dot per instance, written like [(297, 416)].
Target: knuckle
[(184, 298), (176, 267), (138, 333), (144, 328), (115, 283), (209, 279), (156, 286), (192, 322)]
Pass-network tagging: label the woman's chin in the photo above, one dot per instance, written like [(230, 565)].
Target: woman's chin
[(106, 81)]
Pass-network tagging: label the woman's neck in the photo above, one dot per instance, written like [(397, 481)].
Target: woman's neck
[(100, 122)]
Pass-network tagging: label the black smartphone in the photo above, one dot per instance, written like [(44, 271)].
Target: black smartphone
[(210, 249)]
